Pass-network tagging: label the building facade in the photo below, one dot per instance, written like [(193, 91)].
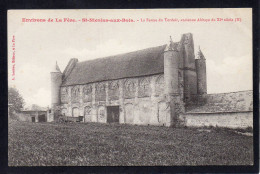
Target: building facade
[(147, 87)]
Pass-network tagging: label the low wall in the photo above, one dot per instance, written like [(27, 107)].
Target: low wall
[(23, 117), (220, 119), (222, 102)]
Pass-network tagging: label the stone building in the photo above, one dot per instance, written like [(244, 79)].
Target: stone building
[(152, 86), (149, 86), (33, 115)]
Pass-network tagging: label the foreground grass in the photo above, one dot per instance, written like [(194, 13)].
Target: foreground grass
[(73, 144)]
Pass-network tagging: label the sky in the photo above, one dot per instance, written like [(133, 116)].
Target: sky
[(226, 45)]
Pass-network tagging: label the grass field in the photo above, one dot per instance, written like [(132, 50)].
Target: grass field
[(73, 144)]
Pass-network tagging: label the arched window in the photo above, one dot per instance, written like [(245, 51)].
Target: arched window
[(100, 92), (129, 88), (75, 94), (102, 114), (64, 95), (75, 112), (144, 88), (159, 85), (87, 114), (113, 91), (129, 113), (87, 93)]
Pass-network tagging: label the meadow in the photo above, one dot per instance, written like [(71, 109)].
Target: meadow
[(96, 144)]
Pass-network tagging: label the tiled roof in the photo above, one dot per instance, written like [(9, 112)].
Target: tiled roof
[(138, 63)]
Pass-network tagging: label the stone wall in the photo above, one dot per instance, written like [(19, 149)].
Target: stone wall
[(141, 100), (221, 119), (233, 110), (23, 117), (222, 102)]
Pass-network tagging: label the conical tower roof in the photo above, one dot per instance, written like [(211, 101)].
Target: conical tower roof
[(170, 46), (56, 68)]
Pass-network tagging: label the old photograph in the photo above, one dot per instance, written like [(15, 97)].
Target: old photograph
[(154, 87)]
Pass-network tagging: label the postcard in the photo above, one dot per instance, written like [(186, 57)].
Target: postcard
[(130, 87)]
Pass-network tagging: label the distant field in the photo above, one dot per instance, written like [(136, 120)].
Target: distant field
[(73, 144)]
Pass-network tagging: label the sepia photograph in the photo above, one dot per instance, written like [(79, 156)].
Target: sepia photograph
[(130, 87)]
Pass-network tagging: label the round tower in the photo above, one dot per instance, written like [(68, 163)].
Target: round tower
[(171, 57), (56, 80), (171, 66), (201, 73)]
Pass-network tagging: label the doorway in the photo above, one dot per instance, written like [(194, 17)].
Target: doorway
[(113, 114), (75, 112), (42, 118)]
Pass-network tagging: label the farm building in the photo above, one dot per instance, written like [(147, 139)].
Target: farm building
[(155, 86), (33, 115)]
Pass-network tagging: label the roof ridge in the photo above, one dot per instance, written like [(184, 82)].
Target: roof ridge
[(142, 62), (99, 58)]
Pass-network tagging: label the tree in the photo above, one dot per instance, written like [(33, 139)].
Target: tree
[(15, 99)]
